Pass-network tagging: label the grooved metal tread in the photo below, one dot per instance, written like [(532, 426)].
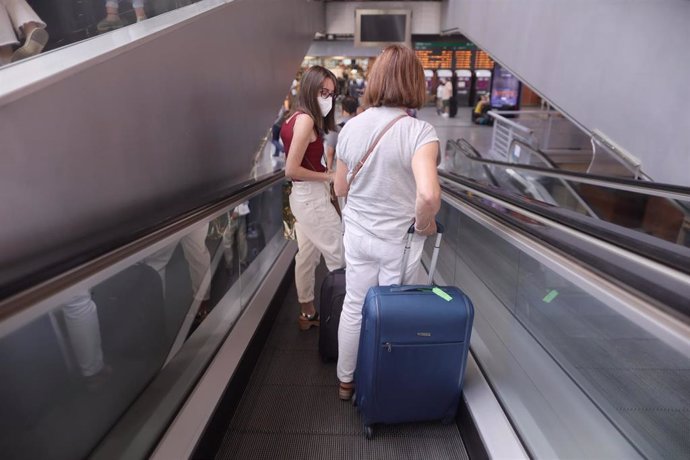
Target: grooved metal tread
[(290, 409)]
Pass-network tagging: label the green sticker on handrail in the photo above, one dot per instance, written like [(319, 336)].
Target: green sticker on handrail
[(550, 296), (439, 292)]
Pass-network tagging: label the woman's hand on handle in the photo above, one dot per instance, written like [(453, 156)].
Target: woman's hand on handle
[(427, 229)]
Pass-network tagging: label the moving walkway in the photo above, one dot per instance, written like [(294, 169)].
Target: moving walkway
[(580, 346)]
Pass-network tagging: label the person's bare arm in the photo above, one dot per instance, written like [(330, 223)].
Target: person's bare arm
[(340, 182), (428, 200), (330, 156), (302, 131)]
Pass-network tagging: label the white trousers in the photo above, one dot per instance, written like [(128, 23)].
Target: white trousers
[(13, 15), (83, 333), (319, 232), (81, 315), (370, 262)]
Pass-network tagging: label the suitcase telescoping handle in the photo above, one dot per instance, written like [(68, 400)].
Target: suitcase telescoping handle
[(434, 256)]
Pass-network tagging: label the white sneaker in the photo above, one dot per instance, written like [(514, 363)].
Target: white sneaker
[(34, 44)]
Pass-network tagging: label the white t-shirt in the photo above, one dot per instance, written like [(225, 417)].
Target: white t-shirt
[(331, 138), (242, 209), (447, 91), (382, 198)]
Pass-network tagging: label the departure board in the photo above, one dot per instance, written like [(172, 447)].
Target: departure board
[(463, 59), (483, 61), (435, 59)]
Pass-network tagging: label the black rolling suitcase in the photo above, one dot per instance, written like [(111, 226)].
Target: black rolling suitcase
[(330, 307)]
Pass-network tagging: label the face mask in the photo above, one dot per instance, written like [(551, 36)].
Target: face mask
[(325, 105)]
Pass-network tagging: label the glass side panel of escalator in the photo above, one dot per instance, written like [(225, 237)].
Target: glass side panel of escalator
[(68, 373), (636, 376)]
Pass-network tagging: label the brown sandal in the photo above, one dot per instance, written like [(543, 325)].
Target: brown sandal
[(345, 390), (307, 321)]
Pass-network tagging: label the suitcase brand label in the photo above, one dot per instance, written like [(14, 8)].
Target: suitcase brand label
[(424, 334)]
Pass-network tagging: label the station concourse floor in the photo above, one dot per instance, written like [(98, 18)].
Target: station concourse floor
[(460, 126)]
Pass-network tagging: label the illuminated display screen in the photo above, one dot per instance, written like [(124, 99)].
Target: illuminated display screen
[(435, 59), (505, 88), (483, 61), (463, 59)]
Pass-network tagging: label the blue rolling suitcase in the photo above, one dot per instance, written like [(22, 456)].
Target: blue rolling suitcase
[(412, 350)]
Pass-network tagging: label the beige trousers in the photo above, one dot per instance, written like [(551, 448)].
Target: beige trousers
[(319, 232)]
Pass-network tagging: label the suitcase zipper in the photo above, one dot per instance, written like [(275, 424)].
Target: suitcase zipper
[(389, 345)]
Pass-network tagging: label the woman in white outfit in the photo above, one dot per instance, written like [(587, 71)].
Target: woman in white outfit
[(396, 186), (318, 227), (19, 21)]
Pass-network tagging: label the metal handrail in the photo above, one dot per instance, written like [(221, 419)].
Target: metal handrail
[(542, 156), (670, 191), (527, 112), (622, 156), (553, 165), (497, 115)]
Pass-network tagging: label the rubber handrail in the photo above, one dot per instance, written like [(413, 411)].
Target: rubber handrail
[(663, 252), (117, 243), (665, 291)]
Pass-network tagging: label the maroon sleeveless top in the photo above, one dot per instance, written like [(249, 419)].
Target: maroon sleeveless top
[(314, 152)]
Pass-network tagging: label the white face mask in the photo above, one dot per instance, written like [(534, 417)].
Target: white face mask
[(325, 105)]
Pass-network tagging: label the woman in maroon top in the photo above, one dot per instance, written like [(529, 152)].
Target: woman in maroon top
[(318, 228)]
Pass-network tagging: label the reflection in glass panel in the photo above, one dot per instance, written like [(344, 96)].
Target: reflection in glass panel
[(236, 239), (29, 27), (636, 378), (245, 236), (633, 376), (78, 368)]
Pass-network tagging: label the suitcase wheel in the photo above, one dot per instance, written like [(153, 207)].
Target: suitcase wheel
[(368, 432)]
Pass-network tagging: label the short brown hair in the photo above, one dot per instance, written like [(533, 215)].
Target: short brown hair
[(310, 86), (396, 80)]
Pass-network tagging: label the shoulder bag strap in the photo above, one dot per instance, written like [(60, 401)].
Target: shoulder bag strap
[(371, 149)]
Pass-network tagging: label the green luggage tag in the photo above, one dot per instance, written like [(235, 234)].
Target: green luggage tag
[(550, 296), (439, 292)]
